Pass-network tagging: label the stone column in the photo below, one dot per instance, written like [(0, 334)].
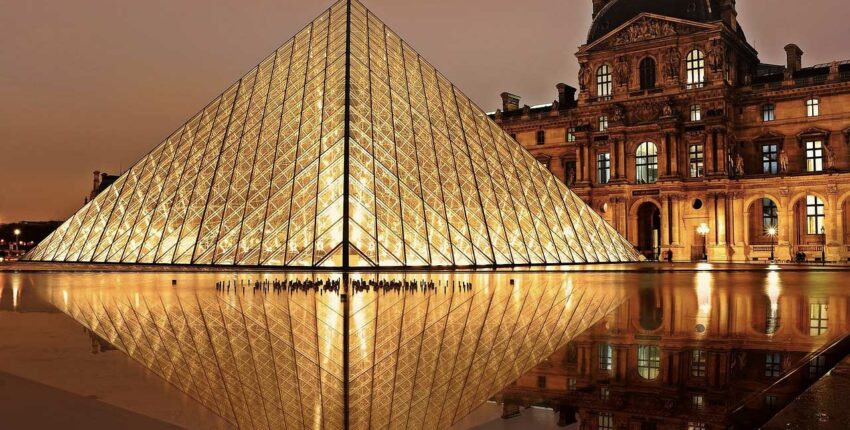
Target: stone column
[(833, 240), (665, 223), (674, 154), (622, 160), (708, 153), (663, 171), (587, 163), (786, 226), (677, 220), (721, 218), (614, 157), (739, 248), (722, 161), (579, 163)]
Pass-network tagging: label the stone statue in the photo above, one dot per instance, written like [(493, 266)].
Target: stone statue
[(623, 73), (739, 164), (783, 161), (829, 157), (619, 114), (717, 56), (584, 77), (571, 176), (671, 66), (667, 109)]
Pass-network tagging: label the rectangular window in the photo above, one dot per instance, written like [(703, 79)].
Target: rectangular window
[(813, 107), (697, 161), (698, 363), (696, 113), (770, 402), (769, 214), (541, 137), (817, 367), (770, 159), (649, 361), (606, 421), (603, 123), (603, 167), (697, 401), (818, 319), (814, 156), (604, 393), (696, 425), (814, 215), (541, 381), (606, 357), (571, 134), (768, 112), (572, 384), (772, 364)]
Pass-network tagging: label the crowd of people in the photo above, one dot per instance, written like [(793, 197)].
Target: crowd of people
[(322, 286)]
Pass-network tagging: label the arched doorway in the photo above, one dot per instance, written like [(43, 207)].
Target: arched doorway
[(649, 230)]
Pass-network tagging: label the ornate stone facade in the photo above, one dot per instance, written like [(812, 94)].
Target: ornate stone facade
[(685, 127)]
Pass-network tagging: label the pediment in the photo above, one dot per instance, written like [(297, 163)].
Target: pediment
[(647, 26), (770, 135)]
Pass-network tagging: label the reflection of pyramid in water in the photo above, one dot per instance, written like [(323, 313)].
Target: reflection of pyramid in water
[(418, 360), (343, 148)]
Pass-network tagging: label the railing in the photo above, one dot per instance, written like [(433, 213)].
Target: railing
[(808, 248), (761, 249)]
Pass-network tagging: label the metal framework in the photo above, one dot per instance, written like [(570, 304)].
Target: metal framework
[(343, 148)]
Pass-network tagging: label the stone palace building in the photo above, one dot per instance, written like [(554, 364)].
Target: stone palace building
[(692, 147)]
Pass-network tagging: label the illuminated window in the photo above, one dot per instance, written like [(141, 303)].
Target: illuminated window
[(541, 137), (818, 319), (604, 81), (813, 107), (606, 357), (647, 73), (770, 159), (814, 156), (603, 167), (769, 214), (772, 364), (695, 67), (696, 113), (604, 393), (696, 160), (603, 123), (606, 421), (649, 361), (571, 134), (814, 215), (646, 163), (698, 363), (696, 425), (768, 112)]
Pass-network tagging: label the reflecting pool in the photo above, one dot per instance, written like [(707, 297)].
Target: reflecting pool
[(637, 346)]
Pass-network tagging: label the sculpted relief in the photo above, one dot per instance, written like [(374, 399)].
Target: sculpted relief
[(644, 29)]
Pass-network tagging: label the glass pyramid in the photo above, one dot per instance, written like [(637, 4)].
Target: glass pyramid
[(395, 360), (343, 148)]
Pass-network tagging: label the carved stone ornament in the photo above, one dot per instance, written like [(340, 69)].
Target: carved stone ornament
[(645, 29), (584, 77), (618, 114), (672, 63), (623, 71), (647, 112)]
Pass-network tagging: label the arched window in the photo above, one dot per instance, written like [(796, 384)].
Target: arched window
[(695, 66), (604, 81), (649, 361), (769, 214), (647, 73), (646, 163)]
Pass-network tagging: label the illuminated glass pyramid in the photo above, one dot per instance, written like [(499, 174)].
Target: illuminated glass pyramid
[(396, 360), (344, 148)]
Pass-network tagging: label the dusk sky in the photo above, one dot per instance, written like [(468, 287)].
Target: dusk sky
[(95, 84)]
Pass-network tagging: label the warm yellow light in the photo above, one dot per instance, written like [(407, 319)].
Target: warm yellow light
[(772, 231), (17, 232), (703, 229)]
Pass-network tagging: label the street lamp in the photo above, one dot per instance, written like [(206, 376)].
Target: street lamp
[(17, 241), (703, 230), (772, 232)]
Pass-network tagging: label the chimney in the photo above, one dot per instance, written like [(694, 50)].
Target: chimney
[(598, 5), (794, 57), (510, 102), (729, 14), (97, 180), (566, 95)]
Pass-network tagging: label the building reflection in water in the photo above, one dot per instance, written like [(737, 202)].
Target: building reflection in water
[(307, 359), (699, 350)]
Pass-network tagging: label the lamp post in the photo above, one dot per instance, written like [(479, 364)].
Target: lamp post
[(703, 230), (772, 232), (17, 241)]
